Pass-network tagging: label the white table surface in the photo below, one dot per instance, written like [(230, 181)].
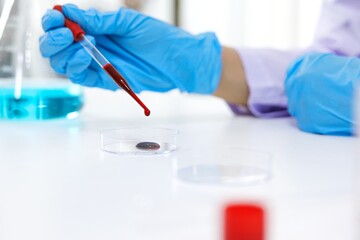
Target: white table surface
[(55, 183)]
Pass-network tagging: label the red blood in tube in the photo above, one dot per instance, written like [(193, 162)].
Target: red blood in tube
[(120, 80)]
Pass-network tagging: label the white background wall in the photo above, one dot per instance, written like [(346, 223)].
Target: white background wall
[(254, 23), (279, 24)]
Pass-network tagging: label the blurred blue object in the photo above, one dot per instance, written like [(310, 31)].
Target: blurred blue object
[(320, 89), (41, 103)]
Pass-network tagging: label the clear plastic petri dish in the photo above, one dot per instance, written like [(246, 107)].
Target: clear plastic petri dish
[(139, 141), (223, 166)]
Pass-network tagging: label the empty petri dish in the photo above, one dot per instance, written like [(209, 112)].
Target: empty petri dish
[(139, 141), (223, 165)]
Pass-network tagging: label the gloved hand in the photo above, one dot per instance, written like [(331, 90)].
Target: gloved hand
[(320, 90), (151, 54)]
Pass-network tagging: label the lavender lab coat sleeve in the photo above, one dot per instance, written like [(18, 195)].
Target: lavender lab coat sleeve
[(265, 69)]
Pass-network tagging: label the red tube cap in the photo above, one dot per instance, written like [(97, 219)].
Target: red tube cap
[(244, 222), (75, 28)]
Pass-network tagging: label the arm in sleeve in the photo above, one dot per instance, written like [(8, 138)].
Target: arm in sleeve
[(265, 71), (338, 32)]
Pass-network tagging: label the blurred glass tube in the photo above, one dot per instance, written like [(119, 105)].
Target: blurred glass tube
[(7, 38), (5, 14), (21, 45)]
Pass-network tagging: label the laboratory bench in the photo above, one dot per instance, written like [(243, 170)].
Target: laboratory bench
[(56, 183)]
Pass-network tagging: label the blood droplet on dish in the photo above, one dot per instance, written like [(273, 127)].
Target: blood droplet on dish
[(148, 146)]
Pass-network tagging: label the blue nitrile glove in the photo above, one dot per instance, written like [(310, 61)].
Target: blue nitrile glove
[(151, 54), (320, 90)]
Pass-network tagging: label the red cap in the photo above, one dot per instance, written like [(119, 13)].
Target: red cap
[(244, 222), (75, 28)]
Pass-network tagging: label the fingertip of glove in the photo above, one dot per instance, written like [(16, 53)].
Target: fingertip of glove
[(41, 46), (73, 12), (292, 73), (61, 35), (52, 19), (54, 41), (77, 65), (294, 67), (69, 7)]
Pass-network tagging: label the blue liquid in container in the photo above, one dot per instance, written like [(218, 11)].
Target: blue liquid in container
[(41, 103)]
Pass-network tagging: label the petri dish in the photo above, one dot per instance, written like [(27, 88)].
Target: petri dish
[(139, 141), (223, 166)]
